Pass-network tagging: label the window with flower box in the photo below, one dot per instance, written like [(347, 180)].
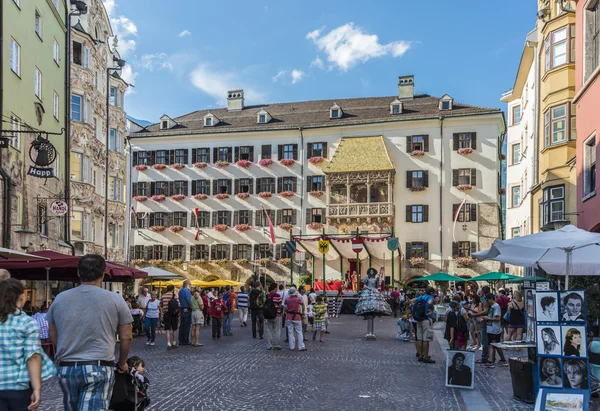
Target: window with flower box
[(467, 213), (288, 151), (264, 250), (261, 219), (219, 252), (179, 187), (464, 176), (464, 140), (222, 186), (265, 151), (463, 248), (316, 150), (314, 183), (242, 251), (286, 184), (244, 153), (286, 216), (417, 178), (265, 185), (222, 217), (179, 252), (417, 213), (180, 218), (138, 252), (315, 215), (222, 154), (200, 155), (181, 156), (244, 185), (417, 143), (242, 217), (417, 249), (203, 219), (200, 187)]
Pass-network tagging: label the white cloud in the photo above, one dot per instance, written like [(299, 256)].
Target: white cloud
[(123, 28), (318, 63), (348, 45), (217, 83), (156, 61), (279, 75), (184, 33), (129, 76), (297, 76)]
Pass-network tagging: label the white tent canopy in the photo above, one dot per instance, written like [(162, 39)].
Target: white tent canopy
[(567, 251), (156, 273), (8, 254)]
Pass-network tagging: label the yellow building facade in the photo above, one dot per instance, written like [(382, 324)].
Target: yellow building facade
[(554, 195)]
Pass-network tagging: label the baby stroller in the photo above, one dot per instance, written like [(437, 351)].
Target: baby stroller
[(405, 331), (138, 328), (129, 393)]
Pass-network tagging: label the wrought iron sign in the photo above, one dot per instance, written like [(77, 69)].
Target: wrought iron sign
[(42, 153)]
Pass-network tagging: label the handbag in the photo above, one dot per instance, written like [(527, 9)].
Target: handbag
[(506, 316)]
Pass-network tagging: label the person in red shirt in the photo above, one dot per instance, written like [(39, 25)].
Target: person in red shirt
[(294, 307), (273, 325), (217, 310), (206, 303), (395, 295)]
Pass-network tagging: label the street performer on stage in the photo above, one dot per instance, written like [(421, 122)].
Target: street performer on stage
[(372, 302)]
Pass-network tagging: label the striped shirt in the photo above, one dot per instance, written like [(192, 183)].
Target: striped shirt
[(164, 301), (319, 311), (242, 300), (19, 341)]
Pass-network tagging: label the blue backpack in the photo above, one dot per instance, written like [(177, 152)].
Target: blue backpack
[(419, 310), (227, 300)]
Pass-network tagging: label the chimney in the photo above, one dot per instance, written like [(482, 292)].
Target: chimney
[(406, 87), (235, 100)]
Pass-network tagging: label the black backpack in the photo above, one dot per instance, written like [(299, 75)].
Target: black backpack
[(254, 296), (173, 306), (420, 309), (269, 309), (461, 324)]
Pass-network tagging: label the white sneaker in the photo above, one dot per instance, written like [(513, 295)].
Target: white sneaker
[(147, 342), (152, 343)]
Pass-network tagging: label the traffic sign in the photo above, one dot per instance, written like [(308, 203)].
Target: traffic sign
[(290, 247), (323, 246), (392, 243), (357, 245)]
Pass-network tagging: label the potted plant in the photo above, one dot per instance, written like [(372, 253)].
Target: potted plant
[(242, 227), (158, 197), (200, 196), (177, 166), (157, 228), (200, 164), (177, 197), (221, 163), (420, 188), (417, 153), (285, 261), (417, 261), (243, 196), (464, 187), (241, 261), (141, 167), (175, 228), (316, 160), (244, 163), (140, 199), (286, 226), (197, 262), (316, 193), (221, 196), (265, 162), (159, 166), (287, 162), (265, 194), (287, 194), (221, 227), (465, 261), (315, 226), (154, 263), (467, 150)]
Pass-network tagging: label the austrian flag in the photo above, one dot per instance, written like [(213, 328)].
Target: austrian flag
[(357, 245)]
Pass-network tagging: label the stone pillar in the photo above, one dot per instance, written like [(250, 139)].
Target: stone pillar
[(369, 184), (327, 193), (348, 187), (390, 191)]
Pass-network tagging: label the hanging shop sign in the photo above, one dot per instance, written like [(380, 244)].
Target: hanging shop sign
[(42, 153), (323, 246), (3, 142), (59, 208), (392, 243)]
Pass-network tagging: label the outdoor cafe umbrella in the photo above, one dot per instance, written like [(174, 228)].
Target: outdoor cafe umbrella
[(494, 276), (566, 251), (530, 278), (8, 254), (440, 276)]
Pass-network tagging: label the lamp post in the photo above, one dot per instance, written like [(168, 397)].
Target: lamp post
[(120, 65), (23, 235), (80, 9)]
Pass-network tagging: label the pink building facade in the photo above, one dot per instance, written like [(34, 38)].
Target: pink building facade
[(587, 101)]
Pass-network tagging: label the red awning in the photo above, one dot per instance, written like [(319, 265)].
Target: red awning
[(63, 267)]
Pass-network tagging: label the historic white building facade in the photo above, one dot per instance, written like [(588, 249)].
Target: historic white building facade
[(404, 163), (93, 53)]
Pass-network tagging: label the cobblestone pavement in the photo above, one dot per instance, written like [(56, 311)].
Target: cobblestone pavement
[(345, 373)]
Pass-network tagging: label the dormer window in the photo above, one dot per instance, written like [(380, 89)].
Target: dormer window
[(263, 117), (446, 103), (335, 111), (396, 107), (165, 124), (210, 120)]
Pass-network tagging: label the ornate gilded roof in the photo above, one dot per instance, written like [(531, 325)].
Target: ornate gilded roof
[(360, 154)]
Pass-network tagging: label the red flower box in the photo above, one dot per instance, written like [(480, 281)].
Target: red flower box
[(221, 164), (417, 188), (158, 197), (200, 196), (177, 197), (176, 228), (316, 160), (286, 226), (141, 167), (287, 194), (465, 150), (200, 165), (242, 227), (221, 227), (287, 162), (159, 166), (265, 162), (244, 163), (417, 153), (157, 228), (315, 226), (464, 187), (140, 198), (315, 193), (243, 196), (265, 194), (177, 166), (222, 196)]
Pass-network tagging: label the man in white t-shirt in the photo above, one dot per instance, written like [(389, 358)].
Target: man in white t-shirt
[(143, 299), (494, 330)]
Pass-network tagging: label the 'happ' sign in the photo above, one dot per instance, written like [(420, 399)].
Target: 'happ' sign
[(59, 208)]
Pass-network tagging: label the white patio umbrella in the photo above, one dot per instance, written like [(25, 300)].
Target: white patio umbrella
[(156, 273), (567, 251), (8, 254)]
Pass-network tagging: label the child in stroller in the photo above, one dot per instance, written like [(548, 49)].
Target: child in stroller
[(130, 391), (405, 324), (138, 319)]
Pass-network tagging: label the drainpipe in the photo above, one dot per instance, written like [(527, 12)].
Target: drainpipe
[(129, 165), (536, 125), (441, 193), (67, 156), (302, 213), (5, 176)]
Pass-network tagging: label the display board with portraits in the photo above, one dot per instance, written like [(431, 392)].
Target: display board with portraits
[(560, 335)]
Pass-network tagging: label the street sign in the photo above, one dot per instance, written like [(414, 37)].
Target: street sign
[(290, 247), (323, 246), (393, 243), (357, 245), (59, 208)]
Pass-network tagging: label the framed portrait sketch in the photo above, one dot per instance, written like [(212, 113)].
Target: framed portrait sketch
[(546, 306), (550, 370), (548, 339), (572, 306), (575, 373), (460, 369), (574, 341)]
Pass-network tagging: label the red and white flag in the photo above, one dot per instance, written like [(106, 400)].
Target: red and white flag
[(271, 228), (196, 214), (134, 213), (197, 235), (456, 218), (357, 245)]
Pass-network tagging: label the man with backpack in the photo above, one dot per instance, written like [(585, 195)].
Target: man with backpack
[(272, 314), (456, 326), (503, 301), (257, 301), (169, 306), (423, 308), (185, 326), (229, 299)]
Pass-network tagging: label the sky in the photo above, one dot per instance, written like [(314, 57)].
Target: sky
[(184, 55)]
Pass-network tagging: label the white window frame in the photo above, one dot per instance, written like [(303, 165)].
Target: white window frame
[(515, 159), (15, 57), (39, 23), (37, 83), (112, 139), (55, 104), (56, 52), (551, 125), (514, 120), (516, 230), (589, 166), (81, 110), (515, 196), (15, 139)]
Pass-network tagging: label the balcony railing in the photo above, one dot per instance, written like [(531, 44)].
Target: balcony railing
[(360, 210)]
